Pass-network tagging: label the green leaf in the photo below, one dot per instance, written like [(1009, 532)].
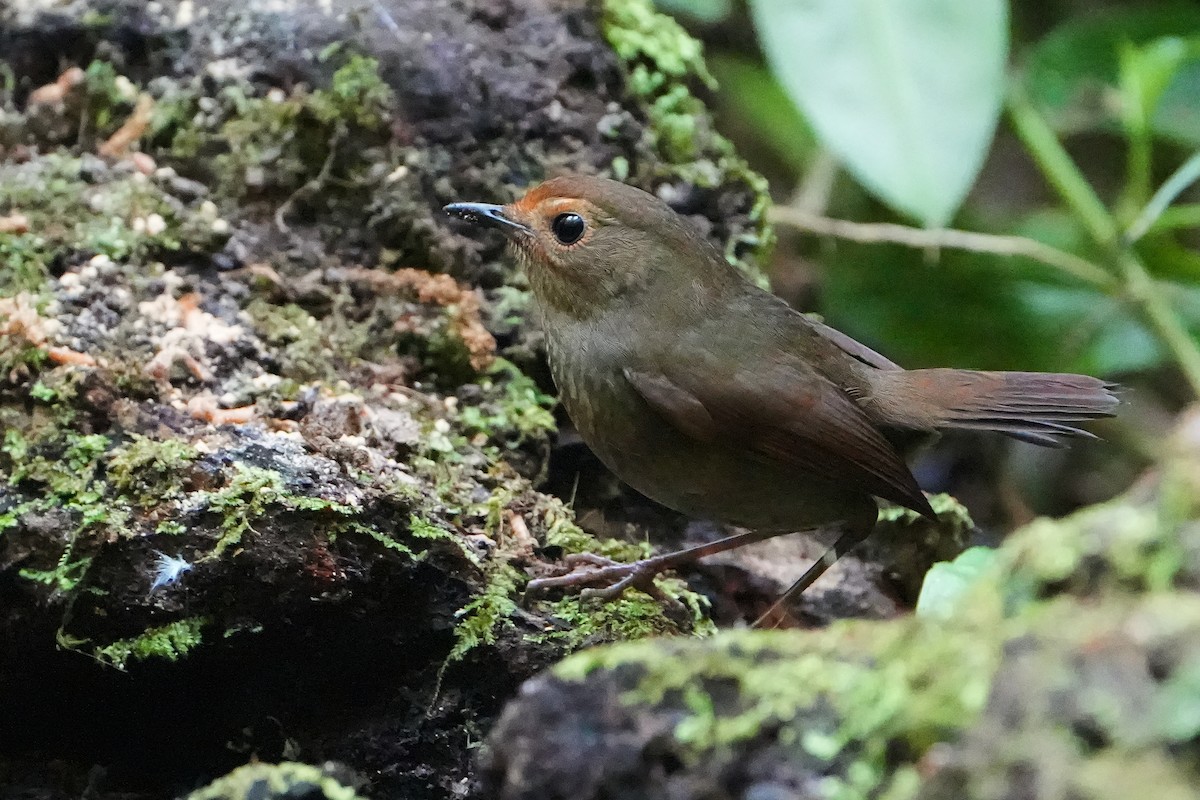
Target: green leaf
[(1073, 74), (948, 582), (1145, 74), (962, 310), (905, 92)]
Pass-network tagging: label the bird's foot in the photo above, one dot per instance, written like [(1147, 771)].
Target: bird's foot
[(600, 577)]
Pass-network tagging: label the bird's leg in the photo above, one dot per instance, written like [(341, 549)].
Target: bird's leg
[(853, 533), (613, 579)]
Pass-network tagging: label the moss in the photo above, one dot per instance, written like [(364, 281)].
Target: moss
[(304, 351), (631, 616), (562, 531), (77, 209), (277, 782), (61, 470), (240, 502), (421, 528), (150, 471), (1132, 543), (278, 144), (169, 642), (853, 695), (491, 610), (661, 58), (519, 413), (356, 94)]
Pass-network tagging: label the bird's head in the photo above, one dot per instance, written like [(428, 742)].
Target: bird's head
[(586, 241)]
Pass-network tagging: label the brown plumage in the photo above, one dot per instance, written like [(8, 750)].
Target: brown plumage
[(715, 398)]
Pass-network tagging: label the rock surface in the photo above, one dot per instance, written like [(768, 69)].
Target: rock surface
[(270, 428)]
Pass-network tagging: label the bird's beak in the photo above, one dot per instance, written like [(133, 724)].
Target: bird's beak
[(488, 214)]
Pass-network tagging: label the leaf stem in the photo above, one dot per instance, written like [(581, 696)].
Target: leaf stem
[(1184, 215), (1187, 174), (1060, 170), (1062, 173), (1158, 313)]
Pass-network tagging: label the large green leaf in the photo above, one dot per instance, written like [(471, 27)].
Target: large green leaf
[(905, 92)]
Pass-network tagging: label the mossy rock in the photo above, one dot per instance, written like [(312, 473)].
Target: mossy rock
[(284, 781), (862, 710), (267, 421), (1066, 666)]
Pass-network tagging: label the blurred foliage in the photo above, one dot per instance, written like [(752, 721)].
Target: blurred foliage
[(872, 78), (893, 117)]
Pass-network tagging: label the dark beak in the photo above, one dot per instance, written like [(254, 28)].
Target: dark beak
[(486, 213)]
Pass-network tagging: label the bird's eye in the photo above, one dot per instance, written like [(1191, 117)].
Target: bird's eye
[(568, 228)]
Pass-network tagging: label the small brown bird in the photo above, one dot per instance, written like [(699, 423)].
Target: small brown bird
[(715, 398)]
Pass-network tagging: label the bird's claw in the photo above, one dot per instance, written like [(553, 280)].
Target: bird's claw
[(604, 579)]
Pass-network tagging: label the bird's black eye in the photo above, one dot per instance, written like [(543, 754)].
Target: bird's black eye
[(568, 228)]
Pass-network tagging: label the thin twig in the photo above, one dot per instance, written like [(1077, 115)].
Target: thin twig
[(1059, 169), (921, 238)]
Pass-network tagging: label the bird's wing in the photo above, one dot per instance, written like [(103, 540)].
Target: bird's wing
[(852, 347), (783, 417)]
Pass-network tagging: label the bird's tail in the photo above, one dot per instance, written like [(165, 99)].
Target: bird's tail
[(1038, 407)]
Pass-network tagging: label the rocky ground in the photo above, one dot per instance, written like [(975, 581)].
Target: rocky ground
[(279, 451)]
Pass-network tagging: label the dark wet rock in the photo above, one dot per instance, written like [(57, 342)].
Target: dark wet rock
[(269, 444)]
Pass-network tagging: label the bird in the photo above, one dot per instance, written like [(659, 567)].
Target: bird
[(717, 399)]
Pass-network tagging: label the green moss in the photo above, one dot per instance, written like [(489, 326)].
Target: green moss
[(491, 610), (903, 685), (276, 782), (948, 510), (60, 471), (71, 211), (17, 355), (655, 43), (630, 617), (305, 354), (660, 59), (520, 412), (357, 94), (276, 144), (562, 531), (150, 471), (106, 105), (170, 642), (421, 528), (240, 502), (1118, 546)]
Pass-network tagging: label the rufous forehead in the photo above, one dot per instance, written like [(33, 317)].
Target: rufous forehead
[(548, 203), (535, 196)]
